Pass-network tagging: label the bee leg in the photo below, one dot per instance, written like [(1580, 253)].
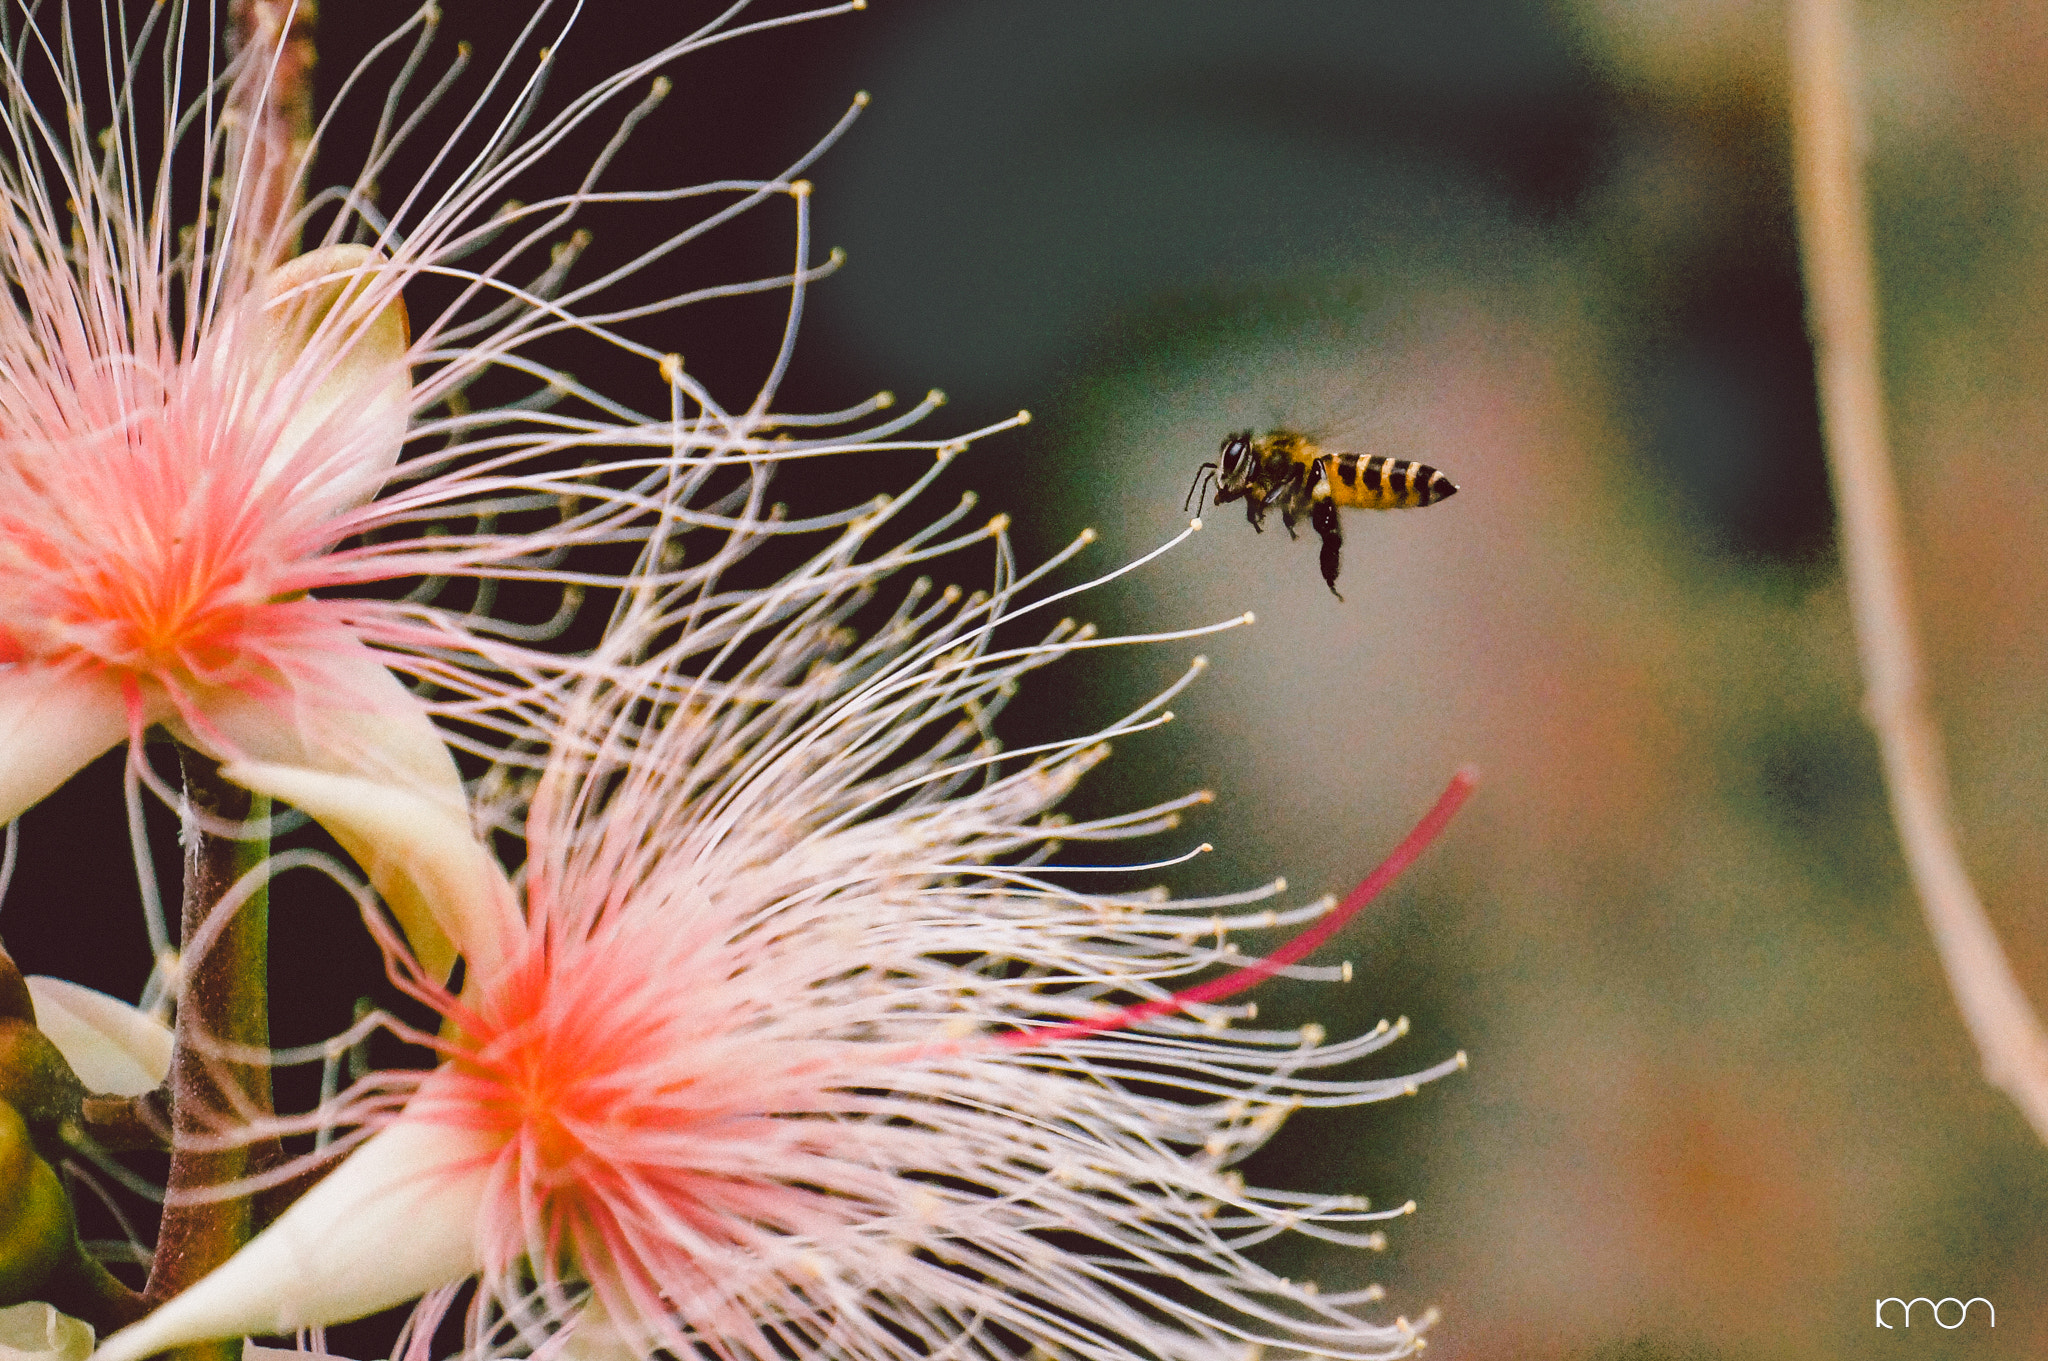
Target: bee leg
[(1289, 494), (1255, 510), (1324, 518)]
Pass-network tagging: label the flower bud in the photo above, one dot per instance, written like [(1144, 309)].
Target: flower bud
[(15, 1003), (36, 1234), (35, 1079)]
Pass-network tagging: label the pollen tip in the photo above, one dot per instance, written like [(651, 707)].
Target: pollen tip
[(1166, 716), (1401, 1025), (463, 49), (802, 189), (857, 4), (1023, 417), (661, 87), (547, 54), (1250, 618), (1280, 884), (1195, 523), (1087, 535), (1462, 1061), (1204, 848), (671, 368), (838, 255), (884, 400), (1344, 973), (1200, 663), (1409, 1208), (999, 523), (936, 397)]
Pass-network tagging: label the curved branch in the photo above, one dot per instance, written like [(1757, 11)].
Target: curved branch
[(1834, 238)]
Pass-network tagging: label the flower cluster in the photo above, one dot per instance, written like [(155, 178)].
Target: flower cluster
[(783, 1023)]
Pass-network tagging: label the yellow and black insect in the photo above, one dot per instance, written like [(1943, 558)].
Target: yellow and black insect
[(1286, 470)]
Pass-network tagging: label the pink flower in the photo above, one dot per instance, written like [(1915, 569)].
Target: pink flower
[(167, 509), (203, 458), (806, 1041)]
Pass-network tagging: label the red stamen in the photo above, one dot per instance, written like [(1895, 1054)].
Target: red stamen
[(1230, 984)]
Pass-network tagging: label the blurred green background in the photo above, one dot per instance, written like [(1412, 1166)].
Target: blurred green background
[(1720, 1101)]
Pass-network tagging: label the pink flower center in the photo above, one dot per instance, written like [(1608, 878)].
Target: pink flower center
[(607, 1072), (141, 546)]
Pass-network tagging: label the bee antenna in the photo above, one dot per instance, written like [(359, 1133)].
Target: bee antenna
[(1206, 471)]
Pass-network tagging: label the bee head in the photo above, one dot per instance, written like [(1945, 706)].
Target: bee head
[(1236, 458)]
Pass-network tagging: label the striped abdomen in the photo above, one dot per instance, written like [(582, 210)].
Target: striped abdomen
[(1376, 483)]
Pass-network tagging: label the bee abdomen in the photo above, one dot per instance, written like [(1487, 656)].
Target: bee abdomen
[(1377, 483)]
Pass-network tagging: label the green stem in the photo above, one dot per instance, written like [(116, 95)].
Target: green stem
[(224, 998)]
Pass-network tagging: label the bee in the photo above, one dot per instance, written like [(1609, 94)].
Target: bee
[(1285, 469)]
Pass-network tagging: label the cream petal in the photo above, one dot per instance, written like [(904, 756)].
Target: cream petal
[(113, 1047), (445, 889), (594, 1337), (396, 1219), (338, 313), (341, 711), (53, 720), (37, 1332), (372, 769)]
